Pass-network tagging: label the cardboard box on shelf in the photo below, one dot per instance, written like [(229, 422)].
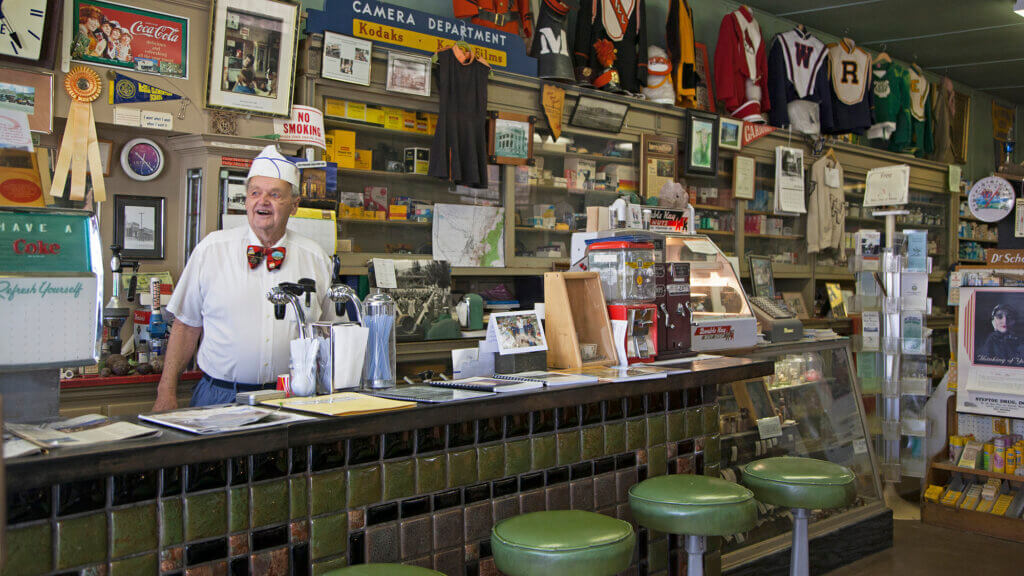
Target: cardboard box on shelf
[(375, 115), (344, 153), (355, 111), (334, 107), (394, 118), (375, 199), (417, 160), (364, 159)]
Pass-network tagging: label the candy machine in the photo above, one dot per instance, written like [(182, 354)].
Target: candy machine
[(626, 270)]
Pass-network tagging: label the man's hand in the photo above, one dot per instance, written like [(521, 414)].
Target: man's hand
[(165, 400), (180, 347)]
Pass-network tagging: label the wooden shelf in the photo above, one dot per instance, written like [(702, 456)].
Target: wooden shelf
[(905, 225), (596, 157), (712, 208), (541, 230), (980, 240), (332, 122), (971, 261), (953, 468), (775, 236), (972, 521), (972, 218), (411, 223), (716, 232), (385, 174), (763, 213)]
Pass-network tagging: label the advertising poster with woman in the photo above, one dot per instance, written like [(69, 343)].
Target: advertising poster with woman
[(125, 37), (990, 353)]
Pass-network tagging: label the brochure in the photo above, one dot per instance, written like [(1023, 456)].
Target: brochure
[(80, 431)]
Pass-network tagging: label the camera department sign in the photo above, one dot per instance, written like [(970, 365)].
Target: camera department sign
[(421, 32)]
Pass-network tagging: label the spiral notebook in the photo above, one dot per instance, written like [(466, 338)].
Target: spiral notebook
[(485, 384), (548, 378)]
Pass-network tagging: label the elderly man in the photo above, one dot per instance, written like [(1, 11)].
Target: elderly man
[(221, 295)]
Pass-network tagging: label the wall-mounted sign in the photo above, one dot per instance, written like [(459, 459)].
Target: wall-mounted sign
[(305, 127), (126, 37)]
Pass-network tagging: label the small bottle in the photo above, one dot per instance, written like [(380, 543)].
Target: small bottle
[(143, 352)]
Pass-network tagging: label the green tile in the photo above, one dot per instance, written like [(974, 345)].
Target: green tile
[(712, 449), (269, 503), (711, 425), (399, 479), (239, 520), (298, 500), (206, 515), (694, 422), (636, 434), (568, 448), (322, 568), (592, 442), (329, 535), (133, 566), (364, 486), (615, 438), (491, 460), (431, 473), (134, 530), (655, 430), (29, 550), (676, 426), (543, 450), (81, 540), (712, 470), (327, 492), (517, 457), (656, 461), (462, 468), (657, 554), (170, 518)]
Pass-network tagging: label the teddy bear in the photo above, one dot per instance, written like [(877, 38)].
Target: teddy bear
[(673, 195)]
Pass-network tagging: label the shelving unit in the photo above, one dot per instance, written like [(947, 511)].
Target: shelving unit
[(939, 472)]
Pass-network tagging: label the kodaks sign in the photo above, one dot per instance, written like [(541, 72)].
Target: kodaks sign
[(420, 32)]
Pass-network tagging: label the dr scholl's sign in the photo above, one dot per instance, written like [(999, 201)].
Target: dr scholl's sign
[(416, 31)]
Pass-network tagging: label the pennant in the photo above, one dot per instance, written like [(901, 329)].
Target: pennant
[(125, 90), (554, 103), (753, 132)]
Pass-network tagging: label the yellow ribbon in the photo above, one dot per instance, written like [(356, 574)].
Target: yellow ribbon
[(80, 149)]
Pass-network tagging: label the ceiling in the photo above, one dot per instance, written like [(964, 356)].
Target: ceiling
[(977, 42)]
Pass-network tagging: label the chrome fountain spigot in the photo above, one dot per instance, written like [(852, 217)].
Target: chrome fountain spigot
[(288, 293), (341, 294)]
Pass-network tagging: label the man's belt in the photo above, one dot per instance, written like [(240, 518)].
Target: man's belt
[(497, 18), (239, 386)]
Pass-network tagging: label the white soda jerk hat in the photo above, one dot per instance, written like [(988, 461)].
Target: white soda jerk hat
[(271, 163)]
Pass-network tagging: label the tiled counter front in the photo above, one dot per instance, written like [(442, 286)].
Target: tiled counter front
[(427, 496)]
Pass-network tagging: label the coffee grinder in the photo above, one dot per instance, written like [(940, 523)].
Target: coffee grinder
[(626, 269), (116, 312)]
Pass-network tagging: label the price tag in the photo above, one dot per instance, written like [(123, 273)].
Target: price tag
[(770, 427), (860, 446)]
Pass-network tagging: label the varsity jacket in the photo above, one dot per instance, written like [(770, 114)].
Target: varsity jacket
[(798, 82), (850, 73), (943, 118), (679, 41), (921, 130), (512, 16), (890, 89), (551, 43), (741, 66), (623, 22)]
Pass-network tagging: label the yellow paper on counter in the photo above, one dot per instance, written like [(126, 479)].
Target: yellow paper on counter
[(340, 404)]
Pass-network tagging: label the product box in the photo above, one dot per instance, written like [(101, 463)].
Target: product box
[(375, 199), (364, 159), (328, 146), (580, 174), (355, 111), (398, 212), (344, 154), (422, 124), (394, 118), (409, 120), (417, 160), (334, 107), (375, 115), (431, 123)]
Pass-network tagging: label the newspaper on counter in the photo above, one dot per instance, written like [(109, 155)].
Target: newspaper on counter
[(81, 431), (222, 418)]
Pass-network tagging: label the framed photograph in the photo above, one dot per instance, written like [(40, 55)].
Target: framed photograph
[(705, 90), (795, 302), (701, 144), (130, 38), (761, 275), (598, 114), (346, 59), (517, 332), (252, 56), (730, 133), (37, 23), (752, 397), (31, 93), (658, 157), (510, 138), (408, 74), (139, 226)]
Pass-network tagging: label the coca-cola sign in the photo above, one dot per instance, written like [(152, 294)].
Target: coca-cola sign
[(130, 38)]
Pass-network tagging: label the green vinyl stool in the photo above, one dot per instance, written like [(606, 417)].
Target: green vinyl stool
[(693, 506), (562, 543), (383, 570), (800, 484)]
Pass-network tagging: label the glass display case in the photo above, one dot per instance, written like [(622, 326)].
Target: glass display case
[(815, 393)]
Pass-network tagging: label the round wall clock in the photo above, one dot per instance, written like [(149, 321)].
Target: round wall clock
[(142, 159), (991, 199)]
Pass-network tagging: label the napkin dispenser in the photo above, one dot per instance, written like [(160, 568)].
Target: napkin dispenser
[(342, 349)]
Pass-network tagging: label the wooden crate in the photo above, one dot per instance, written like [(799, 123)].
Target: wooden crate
[(574, 312), (939, 473)]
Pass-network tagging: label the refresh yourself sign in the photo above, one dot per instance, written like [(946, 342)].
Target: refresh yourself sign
[(394, 26)]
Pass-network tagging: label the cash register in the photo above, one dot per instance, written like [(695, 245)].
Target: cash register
[(778, 322)]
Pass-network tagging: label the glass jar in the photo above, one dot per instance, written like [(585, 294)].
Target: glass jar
[(626, 270), (379, 368)]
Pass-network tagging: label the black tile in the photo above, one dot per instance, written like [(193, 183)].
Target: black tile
[(676, 400), (656, 402), (490, 429), (613, 410), (556, 476), (363, 450), (28, 505), (269, 465), (641, 473), (206, 551), (239, 470), (642, 535), (591, 414), (476, 493), (532, 481), (430, 439), (710, 394), (240, 566), (698, 463), (269, 537), (461, 434), (627, 460), (300, 560), (415, 506), (398, 444), (329, 455), (485, 548), (356, 548), (568, 417), (543, 421), (685, 447), (634, 406), (205, 475), (604, 465), (582, 470), (172, 481), (300, 459), (505, 487), (693, 397), (381, 514), (447, 500), (473, 569), (135, 487), (517, 425), (81, 496)]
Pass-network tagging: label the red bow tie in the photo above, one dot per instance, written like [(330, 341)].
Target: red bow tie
[(255, 254)]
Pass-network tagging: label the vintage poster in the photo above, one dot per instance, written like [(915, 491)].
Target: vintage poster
[(990, 352), (789, 181), (130, 38), (659, 162)]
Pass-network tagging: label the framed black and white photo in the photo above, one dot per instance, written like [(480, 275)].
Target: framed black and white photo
[(252, 56), (730, 133), (346, 59), (599, 114), (408, 74), (510, 138), (139, 226), (701, 157)]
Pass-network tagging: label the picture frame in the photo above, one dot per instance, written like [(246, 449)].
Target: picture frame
[(761, 277), (346, 59), (599, 114), (251, 64), (753, 397), (659, 157), (796, 304), (139, 226), (161, 47), (31, 93), (106, 155), (517, 332), (730, 133), (705, 88), (408, 74), (701, 157), (510, 138), (48, 33)]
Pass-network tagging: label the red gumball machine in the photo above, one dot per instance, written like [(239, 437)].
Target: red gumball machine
[(626, 269)]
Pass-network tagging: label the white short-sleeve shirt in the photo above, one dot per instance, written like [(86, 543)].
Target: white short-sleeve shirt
[(242, 340)]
